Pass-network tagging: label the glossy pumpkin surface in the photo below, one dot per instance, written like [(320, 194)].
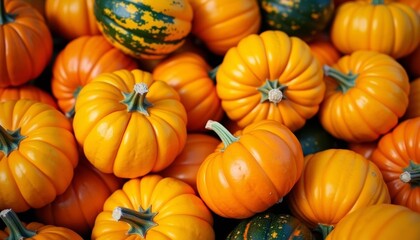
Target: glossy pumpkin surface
[(71, 19), (360, 87), (334, 183), (31, 134), (82, 201), (130, 124), (384, 221), (323, 49), (364, 148), (146, 29), (185, 166), (252, 170), (270, 76), (27, 91), (155, 208), (189, 74), (25, 43), (222, 24), (270, 226), (303, 18), (81, 60), (362, 25), (398, 157), (15, 229), (413, 109)]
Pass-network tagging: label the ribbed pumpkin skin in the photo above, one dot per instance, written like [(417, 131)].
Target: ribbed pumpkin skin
[(71, 19), (147, 29), (382, 221), (362, 25), (47, 155), (334, 183), (81, 60), (221, 24), (271, 57), (393, 155), (323, 49), (271, 226), (25, 43), (27, 91)]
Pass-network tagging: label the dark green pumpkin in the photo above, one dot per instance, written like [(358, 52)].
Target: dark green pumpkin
[(300, 18), (270, 226), (145, 29)]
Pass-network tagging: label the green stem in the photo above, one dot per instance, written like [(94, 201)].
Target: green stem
[(4, 17), (140, 222), (345, 81), (377, 2), (272, 91), (411, 174), (224, 134), (9, 140), (324, 229), (136, 100), (213, 72), (71, 112), (17, 230)]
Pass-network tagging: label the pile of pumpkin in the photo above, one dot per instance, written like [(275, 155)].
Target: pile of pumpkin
[(215, 119)]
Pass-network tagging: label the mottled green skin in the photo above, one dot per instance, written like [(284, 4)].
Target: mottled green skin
[(125, 36), (300, 18), (270, 226)]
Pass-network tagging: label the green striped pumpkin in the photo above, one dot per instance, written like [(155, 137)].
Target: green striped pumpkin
[(144, 29), (299, 18), (271, 226)]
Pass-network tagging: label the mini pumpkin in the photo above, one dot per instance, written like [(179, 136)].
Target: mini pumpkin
[(27, 91)]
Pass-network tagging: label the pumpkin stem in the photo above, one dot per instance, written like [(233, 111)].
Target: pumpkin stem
[(136, 100), (345, 81), (224, 134), (272, 91), (212, 73), (4, 17), (9, 140), (17, 230), (324, 229), (411, 174), (70, 113), (140, 222), (377, 2)]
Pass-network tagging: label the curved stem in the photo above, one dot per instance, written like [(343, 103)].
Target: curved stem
[(136, 100), (4, 17), (324, 229), (9, 140), (224, 134), (345, 81), (70, 113), (140, 222), (17, 230), (411, 174)]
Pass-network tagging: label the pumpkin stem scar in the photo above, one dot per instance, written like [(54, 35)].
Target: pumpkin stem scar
[(9, 140), (4, 17), (140, 221), (273, 91), (224, 134), (345, 81), (17, 230), (324, 229), (411, 174), (136, 100)]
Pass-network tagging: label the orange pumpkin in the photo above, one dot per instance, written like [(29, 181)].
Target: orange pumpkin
[(27, 91), (15, 229), (270, 76), (71, 18), (130, 124), (185, 166), (81, 60), (362, 25), (413, 109), (222, 24), (364, 148), (189, 74), (381, 221), (250, 171), (367, 93), (38, 154), (334, 183), (323, 49), (152, 208), (398, 157), (25, 43), (39, 5), (82, 201)]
